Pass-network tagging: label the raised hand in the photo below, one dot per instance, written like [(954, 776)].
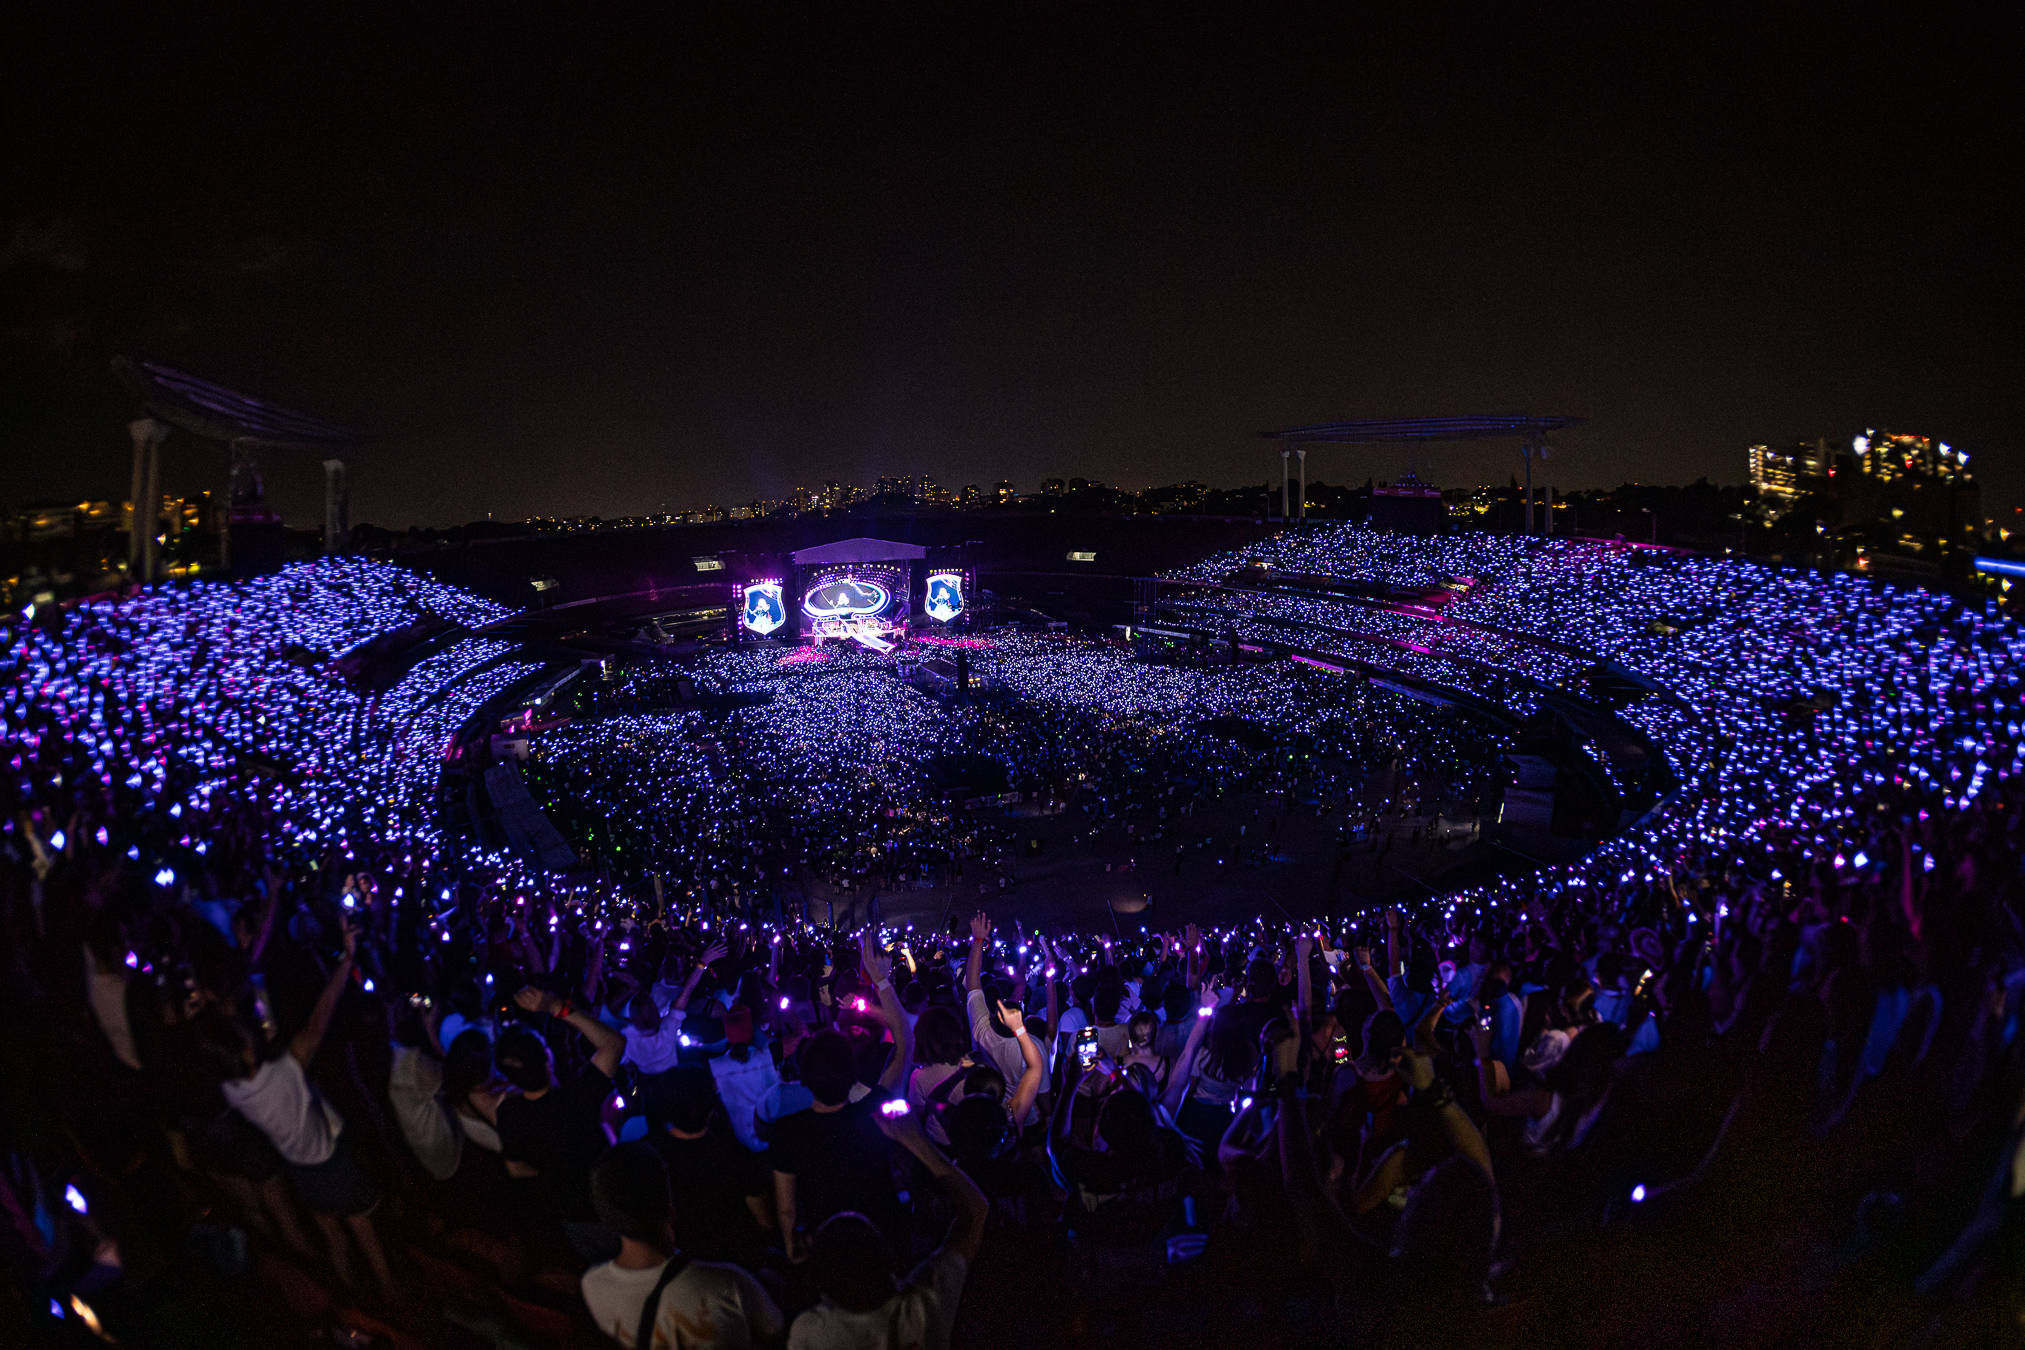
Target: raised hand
[(877, 964), (536, 1000), (714, 953), (1014, 1019), (980, 927)]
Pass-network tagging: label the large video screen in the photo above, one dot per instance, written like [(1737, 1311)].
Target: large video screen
[(943, 600), (864, 604), (763, 608)]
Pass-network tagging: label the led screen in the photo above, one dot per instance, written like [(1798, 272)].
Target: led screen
[(765, 607), (945, 596), (865, 604), (846, 598)]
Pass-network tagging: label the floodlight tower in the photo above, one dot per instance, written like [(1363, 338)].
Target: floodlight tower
[(1534, 446)]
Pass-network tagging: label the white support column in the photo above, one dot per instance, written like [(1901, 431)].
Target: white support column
[(1302, 456), (1283, 484), (336, 506), (146, 496)]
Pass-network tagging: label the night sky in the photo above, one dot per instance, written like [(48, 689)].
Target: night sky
[(561, 264)]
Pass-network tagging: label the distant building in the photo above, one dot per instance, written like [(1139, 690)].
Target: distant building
[(1889, 456), (1911, 494), (1053, 487), (1004, 490), (1783, 473), (971, 497)]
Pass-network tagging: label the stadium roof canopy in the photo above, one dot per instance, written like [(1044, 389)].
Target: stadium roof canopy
[(221, 414), (1424, 429), (858, 551)]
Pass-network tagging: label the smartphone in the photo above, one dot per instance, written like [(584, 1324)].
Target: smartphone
[(1342, 1052), (1086, 1047), (895, 1108)]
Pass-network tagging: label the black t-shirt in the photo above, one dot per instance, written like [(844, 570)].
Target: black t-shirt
[(710, 1179), (840, 1162), (559, 1135)]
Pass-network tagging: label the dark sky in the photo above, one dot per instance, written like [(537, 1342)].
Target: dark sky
[(595, 262)]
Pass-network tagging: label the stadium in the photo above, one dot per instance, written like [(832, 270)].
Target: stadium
[(1598, 781), (1578, 709)]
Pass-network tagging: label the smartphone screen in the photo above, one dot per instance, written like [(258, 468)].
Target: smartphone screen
[(1086, 1046)]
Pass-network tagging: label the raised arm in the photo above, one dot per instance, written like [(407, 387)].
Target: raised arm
[(1054, 995), (306, 1042), (713, 954), (555, 939), (1030, 1056), (980, 933), (256, 948), (1423, 1031), (595, 969), (607, 1045), (880, 967), (1394, 961), (1184, 1066), (1371, 980)]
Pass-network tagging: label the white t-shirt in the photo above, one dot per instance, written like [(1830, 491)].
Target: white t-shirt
[(660, 1051), (742, 1086), (707, 1307), (920, 1315), (1004, 1050), (416, 1088), (301, 1125)]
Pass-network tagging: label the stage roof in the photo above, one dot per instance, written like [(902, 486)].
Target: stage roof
[(858, 551), (1397, 429), (221, 414)]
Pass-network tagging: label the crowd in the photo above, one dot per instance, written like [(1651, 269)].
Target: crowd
[(829, 778), (284, 1063)]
